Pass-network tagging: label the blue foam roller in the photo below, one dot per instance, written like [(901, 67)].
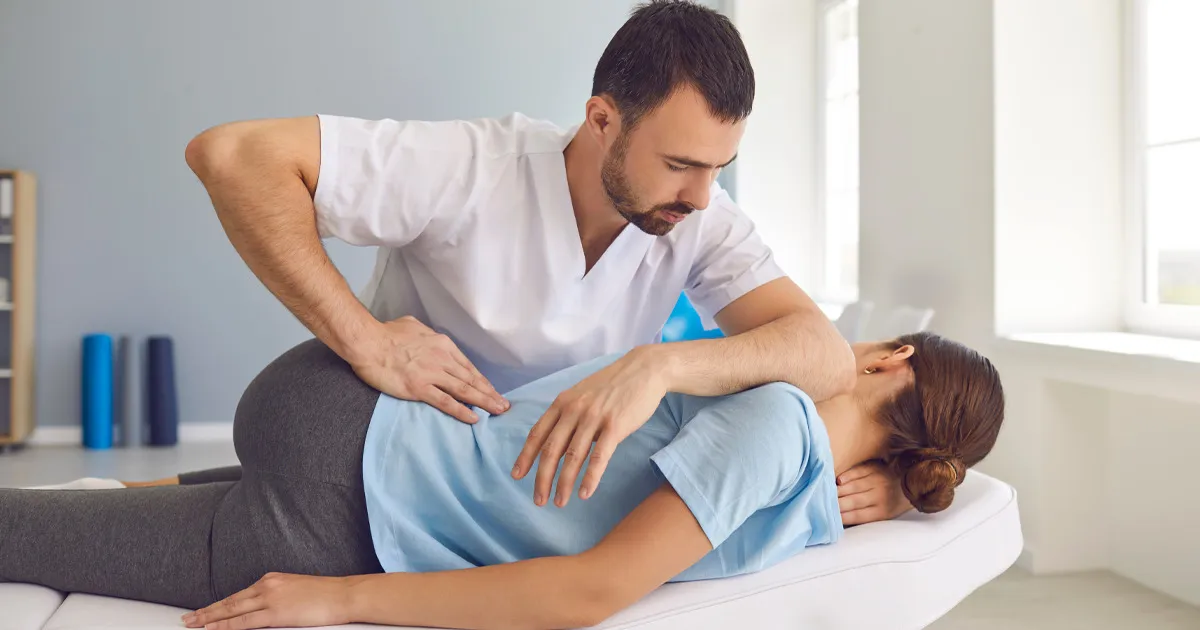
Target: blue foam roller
[(162, 406), (685, 323), (97, 394)]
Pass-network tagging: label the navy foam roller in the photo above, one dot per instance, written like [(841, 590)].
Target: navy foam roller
[(97, 394), (162, 406)]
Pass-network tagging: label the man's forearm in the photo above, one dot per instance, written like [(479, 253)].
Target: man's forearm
[(267, 211), (803, 349), (543, 593)]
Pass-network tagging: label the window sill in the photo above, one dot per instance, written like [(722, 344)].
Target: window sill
[(1132, 363)]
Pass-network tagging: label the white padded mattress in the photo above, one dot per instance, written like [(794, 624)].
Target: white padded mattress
[(897, 575)]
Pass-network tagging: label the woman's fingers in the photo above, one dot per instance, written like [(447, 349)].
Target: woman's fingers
[(256, 619), (862, 516), (549, 455), (856, 502), (240, 603), (576, 453), (857, 472), (856, 486)]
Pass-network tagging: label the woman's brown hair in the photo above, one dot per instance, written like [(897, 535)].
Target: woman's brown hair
[(946, 422)]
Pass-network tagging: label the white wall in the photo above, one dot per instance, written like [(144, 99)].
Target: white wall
[(775, 179), (926, 160)]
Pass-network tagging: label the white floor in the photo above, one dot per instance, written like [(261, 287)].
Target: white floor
[(1091, 601)]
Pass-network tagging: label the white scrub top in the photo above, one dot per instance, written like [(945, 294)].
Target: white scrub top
[(477, 239)]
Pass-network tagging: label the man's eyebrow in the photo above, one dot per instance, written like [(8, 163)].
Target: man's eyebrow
[(697, 163)]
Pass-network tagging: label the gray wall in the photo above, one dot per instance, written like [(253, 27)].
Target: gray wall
[(99, 99)]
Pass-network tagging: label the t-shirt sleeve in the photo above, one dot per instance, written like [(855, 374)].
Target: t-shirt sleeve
[(743, 453), (732, 260), (385, 182)]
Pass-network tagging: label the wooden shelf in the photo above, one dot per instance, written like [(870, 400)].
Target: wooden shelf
[(18, 249)]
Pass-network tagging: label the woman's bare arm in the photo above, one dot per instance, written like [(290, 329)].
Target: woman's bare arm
[(656, 542)]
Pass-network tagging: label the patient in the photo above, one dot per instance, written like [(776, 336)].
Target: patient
[(412, 518)]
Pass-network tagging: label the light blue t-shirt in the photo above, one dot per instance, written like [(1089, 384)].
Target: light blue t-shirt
[(754, 468)]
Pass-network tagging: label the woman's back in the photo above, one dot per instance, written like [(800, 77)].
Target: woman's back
[(753, 467)]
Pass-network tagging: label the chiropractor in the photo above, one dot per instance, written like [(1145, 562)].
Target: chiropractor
[(510, 248)]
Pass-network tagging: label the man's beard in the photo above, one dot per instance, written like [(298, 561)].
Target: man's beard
[(620, 193)]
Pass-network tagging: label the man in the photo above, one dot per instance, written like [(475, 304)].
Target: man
[(510, 248)]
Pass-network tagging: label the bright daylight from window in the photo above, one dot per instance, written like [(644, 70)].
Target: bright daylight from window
[(1172, 152), (840, 159)]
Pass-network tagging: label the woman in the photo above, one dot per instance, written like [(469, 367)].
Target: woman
[(359, 507)]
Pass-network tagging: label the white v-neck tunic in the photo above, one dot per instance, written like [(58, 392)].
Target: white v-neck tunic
[(477, 239)]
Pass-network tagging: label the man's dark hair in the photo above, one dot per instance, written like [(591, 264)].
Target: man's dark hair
[(667, 44)]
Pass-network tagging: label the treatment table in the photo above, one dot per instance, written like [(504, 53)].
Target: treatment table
[(895, 575)]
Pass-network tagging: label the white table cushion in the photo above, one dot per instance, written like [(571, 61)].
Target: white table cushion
[(26, 606), (897, 575)]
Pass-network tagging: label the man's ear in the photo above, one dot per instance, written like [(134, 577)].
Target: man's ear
[(603, 121)]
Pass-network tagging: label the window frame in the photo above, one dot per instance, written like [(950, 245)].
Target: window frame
[(824, 290), (1172, 320)]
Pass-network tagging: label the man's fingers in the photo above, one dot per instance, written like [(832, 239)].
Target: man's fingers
[(456, 382), (576, 453), (533, 443), (601, 454), (858, 472), (859, 517), (478, 380), (447, 404), (855, 502), (548, 457), (856, 486)]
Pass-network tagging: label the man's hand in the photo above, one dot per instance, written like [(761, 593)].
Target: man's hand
[(868, 493), (406, 359), (279, 600), (603, 408)]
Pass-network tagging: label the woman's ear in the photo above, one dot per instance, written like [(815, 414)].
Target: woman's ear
[(890, 359)]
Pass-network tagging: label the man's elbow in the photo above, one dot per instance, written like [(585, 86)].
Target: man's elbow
[(210, 150)]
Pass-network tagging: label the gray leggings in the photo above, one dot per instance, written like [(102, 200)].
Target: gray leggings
[(295, 505)]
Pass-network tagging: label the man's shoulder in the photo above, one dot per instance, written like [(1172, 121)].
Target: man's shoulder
[(513, 135)]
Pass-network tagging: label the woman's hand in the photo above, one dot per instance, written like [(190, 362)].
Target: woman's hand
[(603, 408), (869, 493), (279, 600)]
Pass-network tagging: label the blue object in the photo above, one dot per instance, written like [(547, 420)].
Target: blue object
[(97, 394), (684, 323), (755, 469), (162, 406)]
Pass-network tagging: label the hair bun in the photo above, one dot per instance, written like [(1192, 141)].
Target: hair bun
[(928, 477)]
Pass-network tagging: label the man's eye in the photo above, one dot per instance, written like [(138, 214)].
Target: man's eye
[(677, 169)]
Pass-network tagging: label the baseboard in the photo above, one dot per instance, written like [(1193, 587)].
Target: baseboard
[(189, 432)]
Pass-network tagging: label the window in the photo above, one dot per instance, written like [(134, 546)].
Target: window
[(1163, 167), (837, 181)]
